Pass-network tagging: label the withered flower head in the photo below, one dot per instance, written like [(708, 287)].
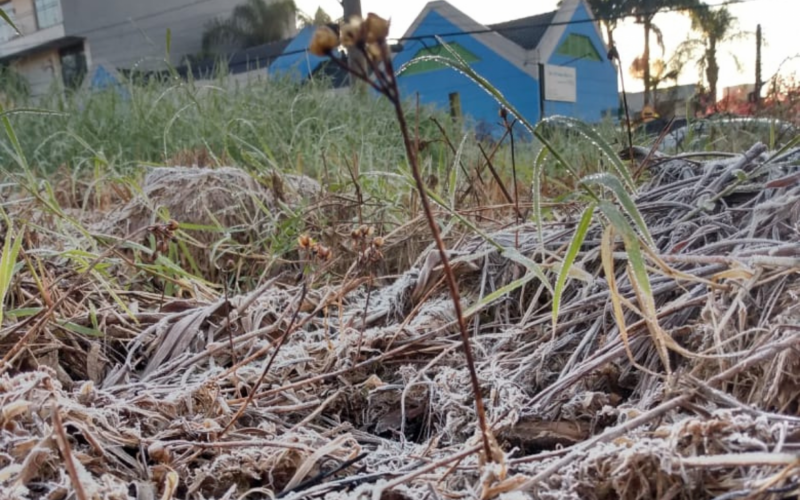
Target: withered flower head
[(323, 252), (378, 241), (351, 32), (375, 51), (304, 241), (323, 41), (159, 452), (376, 28), (173, 225)]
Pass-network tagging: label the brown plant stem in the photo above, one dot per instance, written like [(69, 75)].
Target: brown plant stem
[(263, 375), (510, 127), (450, 278), (511, 200), (453, 150), (63, 445), (364, 319)]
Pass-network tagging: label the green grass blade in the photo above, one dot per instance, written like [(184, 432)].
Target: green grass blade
[(632, 247), (7, 19), (499, 293), (80, 330), (452, 182), (569, 259), (8, 267), (612, 183), (31, 111), (23, 312), (12, 137), (789, 145), (538, 171), (514, 255), (591, 134)]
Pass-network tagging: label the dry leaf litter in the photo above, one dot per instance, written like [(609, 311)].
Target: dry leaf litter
[(379, 406)]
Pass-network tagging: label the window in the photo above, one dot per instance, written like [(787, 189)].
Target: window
[(438, 50), (73, 66), (48, 13), (579, 47), (6, 31)]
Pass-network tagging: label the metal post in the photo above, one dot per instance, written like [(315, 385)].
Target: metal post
[(757, 90)]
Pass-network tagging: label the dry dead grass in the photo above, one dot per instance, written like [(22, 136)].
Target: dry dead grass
[(369, 396)]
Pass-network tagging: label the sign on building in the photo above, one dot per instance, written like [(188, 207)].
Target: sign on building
[(560, 83)]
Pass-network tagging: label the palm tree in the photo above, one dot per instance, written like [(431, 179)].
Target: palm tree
[(661, 71), (609, 12), (254, 22), (715, 27), (645, 11)]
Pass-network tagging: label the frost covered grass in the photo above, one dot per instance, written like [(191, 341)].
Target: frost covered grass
[(215, 292)]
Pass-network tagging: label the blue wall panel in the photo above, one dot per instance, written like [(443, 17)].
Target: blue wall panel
[(294, 63), (434, 87), (596, 81)]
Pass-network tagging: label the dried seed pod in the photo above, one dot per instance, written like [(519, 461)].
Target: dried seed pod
[(378, 241), (375, 52), (352, 34), (376, 28), (173, 225), (158, 452), (324, 41), (324, 253), (304, 241)]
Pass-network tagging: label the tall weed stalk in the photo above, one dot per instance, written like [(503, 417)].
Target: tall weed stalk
[(369, 38)]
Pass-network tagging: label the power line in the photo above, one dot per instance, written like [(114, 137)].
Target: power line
[(194, 3), (130, 23), (571, 21)]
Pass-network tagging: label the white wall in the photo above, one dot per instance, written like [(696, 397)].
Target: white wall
[(124, 33)]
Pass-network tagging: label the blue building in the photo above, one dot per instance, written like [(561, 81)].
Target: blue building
[(549, 64)]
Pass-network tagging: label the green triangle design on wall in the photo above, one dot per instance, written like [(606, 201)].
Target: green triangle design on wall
[(438, 50), (578, 46)]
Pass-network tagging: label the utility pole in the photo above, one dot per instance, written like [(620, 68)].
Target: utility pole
[(355, 58), (757, 90)]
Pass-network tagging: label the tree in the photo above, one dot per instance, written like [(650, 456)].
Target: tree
[(609, 12), (715, 27), (661, 71), (254, 22), (645, 11), (320, 18)]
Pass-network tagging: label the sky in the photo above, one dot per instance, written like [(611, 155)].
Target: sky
[(778, 26)]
